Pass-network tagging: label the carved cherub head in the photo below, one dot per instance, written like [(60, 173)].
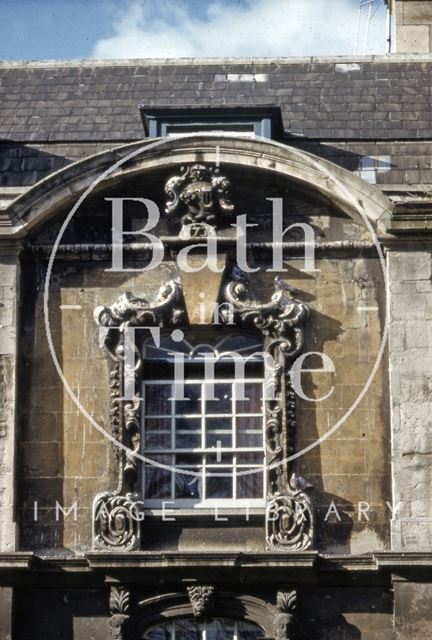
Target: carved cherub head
[(284, 620), (284, 626)]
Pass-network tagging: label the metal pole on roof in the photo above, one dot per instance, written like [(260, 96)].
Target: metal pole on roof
[(367, 25), (389, 30), (370, 15), (357, 28)]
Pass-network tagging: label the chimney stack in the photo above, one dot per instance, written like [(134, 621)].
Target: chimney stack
[(413, 20)]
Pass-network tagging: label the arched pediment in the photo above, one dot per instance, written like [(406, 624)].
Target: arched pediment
[(347, 192), (171, 606)]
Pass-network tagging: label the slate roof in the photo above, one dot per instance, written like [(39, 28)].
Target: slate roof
[(369, 98)]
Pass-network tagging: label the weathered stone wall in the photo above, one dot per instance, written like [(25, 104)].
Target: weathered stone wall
[(9, 309), (411, 387), (66, 460), (351, 468), (413, 26), (412, 606)]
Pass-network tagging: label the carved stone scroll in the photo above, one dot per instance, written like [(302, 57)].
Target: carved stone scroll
[(202, 599), (116, 521), (289, 518)]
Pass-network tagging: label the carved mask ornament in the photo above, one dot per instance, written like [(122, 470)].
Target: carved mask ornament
[(202, 599)]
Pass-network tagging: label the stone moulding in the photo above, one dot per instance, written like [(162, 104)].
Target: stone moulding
[(154, 610), (348, 192), (281, 320)]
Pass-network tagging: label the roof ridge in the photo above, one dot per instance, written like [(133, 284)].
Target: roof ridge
[(89, 62)]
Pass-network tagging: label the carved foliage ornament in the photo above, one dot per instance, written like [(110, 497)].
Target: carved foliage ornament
[(201, 197), (119, 604), (202, 599)]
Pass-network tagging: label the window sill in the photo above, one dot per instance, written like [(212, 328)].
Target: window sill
[(242, 515)]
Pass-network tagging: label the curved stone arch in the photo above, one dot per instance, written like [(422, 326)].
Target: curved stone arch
[(169, 607), (346, 191)]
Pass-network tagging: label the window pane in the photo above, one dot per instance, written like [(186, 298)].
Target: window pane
[(255, 458), (218, 440), (218, 629), (188, 486), (218, 458), (219, 486), (248, 631), (192, 402), (185, 460), (250, 485), (157, 424), (188, 440), (157, 399), (252, 403), (219, 432), (161, 633), (250, 440), (188, 424), (249, 423), (157, 481), (223, 404), (187, 629), (249, 431), (157, 441)]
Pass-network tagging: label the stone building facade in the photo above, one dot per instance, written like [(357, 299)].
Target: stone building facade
[(272, 213)]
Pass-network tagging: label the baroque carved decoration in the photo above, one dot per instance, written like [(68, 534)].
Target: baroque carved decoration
[(285, 616), (289, 518), (281, 320), (119, 604), (202, 599), (201, 197), (116, 517), (116, 521)]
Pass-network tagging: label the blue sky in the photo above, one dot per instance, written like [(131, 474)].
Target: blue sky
[(64, 29)]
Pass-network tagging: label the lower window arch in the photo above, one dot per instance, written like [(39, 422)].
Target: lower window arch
[(216, 629)]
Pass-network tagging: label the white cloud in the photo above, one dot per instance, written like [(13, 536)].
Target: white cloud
[(170, 29)]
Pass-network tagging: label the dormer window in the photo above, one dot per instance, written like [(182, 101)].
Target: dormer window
[(263, 121)]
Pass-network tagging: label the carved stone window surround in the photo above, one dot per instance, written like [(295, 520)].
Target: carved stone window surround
[(281, 322)]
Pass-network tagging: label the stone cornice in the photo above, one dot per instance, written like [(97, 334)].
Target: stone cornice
[(309, 561)]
